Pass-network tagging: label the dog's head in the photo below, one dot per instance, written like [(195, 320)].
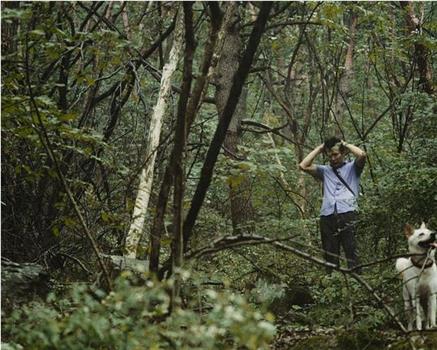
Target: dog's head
[(420, 240)]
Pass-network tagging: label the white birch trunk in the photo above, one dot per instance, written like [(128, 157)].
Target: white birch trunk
[(146, 178)]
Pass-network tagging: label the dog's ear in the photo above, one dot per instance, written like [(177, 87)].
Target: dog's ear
[(408, 230), (423, 226)]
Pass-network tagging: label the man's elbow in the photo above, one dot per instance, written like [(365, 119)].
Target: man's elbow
[(304, 167), (361, 159)]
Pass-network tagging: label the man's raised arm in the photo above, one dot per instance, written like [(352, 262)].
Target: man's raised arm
[(307, 163), (360, 155)]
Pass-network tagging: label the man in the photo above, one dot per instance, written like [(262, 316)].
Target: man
[(341, 180)]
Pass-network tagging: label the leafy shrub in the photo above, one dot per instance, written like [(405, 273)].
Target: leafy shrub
[(135, 316), (341, 300)]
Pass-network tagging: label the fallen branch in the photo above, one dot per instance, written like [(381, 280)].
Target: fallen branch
[(240, 240), (80, 263)]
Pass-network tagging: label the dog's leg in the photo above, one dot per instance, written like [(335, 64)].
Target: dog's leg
[(409, 311), (419, 314), (409, 306), (432, 306)]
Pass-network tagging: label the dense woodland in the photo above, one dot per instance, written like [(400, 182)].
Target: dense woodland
[(151, 196)]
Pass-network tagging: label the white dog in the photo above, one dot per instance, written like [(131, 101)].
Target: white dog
[(419, 273)]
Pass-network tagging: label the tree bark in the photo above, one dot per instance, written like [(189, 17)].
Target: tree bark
[(242, 211), (9, 29), (239, 191), (126, 25), (344, 84), (146, 178), (220, 133), (179, 146), (201, 83), (421, 52)]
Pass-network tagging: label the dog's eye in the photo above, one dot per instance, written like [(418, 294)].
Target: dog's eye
[(421, 234)]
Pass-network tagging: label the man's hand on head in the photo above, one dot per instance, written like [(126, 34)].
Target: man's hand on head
[(344, 146)]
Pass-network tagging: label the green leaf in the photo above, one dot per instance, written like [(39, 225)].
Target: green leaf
[(37, 32), (55, 231), (45, 100), (67, 117), (234, 180), (105, 216)]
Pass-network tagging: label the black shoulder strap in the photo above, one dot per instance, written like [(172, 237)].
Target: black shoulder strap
[(342, 180)]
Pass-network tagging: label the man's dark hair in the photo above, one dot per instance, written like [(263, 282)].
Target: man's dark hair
[(331, 142)]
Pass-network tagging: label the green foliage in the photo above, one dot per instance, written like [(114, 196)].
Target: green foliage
[(317, 342), (74, 64), (404, 182), (361, 339), (341, 300), (136, 315)]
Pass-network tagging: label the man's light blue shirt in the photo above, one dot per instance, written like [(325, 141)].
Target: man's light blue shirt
[(336, 196)]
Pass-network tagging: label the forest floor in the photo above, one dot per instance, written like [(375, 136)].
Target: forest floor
[(339, 338)]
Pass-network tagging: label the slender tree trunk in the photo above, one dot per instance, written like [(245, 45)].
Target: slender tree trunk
[(344, 84), (146, 178), (180, 141), (201, 83)]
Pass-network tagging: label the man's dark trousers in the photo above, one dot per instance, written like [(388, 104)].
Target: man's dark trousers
[(336, 230)]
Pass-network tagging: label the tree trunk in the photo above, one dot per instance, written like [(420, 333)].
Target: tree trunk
[(239, 191), (126, 21), (242, 211), (344, 84), (222, 127), (146, 178), (201, 83), (179, 146), (9, 29), (421, 52)]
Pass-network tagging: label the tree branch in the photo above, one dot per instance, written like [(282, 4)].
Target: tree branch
[(272, 130), (236, 241)]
